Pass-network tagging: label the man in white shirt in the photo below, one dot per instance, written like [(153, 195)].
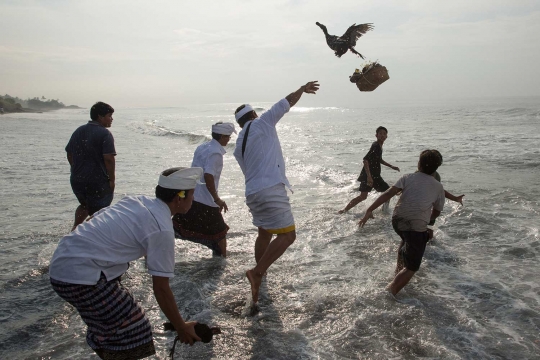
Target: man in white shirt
[(86, 267), (203, 223), (421, 202), (259, 155)]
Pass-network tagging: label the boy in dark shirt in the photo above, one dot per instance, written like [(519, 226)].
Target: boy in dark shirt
[(370, 177), (91, 153)]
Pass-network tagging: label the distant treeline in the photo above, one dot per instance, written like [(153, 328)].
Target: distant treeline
[(14, 104)]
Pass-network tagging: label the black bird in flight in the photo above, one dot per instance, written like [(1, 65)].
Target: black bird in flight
[(340, 44)]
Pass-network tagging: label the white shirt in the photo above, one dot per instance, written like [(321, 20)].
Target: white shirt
[(421, 194), (263, 165), (208, 156), (130, 229)]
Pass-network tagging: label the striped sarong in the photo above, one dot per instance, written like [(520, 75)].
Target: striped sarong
[(117, 325)]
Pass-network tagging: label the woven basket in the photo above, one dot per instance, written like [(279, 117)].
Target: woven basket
[(369, 80)]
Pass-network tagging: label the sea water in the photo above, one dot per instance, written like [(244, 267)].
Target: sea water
[(476, 295)]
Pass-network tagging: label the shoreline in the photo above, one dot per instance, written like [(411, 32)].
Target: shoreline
[(36, 111)]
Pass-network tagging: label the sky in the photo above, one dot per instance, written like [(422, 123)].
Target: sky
[(176, 53)]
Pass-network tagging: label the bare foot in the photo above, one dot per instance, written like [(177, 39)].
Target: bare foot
[(341, 211), (255, 281)]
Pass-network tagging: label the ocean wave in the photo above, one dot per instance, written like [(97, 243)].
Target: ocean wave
[(514, 112), (310, 109), (152, 129)]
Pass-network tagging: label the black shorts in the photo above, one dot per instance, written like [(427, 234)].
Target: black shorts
[(378, 184), (93, 196), (414, 246)]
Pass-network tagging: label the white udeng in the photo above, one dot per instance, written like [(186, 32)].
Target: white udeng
[(183, 179)]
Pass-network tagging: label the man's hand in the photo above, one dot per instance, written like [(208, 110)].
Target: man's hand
[(222, 205), (430, 234), (395, 168), (367, 216), (311, 87), (370, 181), (187, 334), (459, 199)]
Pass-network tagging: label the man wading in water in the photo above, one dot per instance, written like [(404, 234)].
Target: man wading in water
[(421, 202), (88, 264), (370, 177), (259, 155)]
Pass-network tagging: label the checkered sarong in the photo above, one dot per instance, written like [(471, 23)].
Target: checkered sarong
[(117, 326)]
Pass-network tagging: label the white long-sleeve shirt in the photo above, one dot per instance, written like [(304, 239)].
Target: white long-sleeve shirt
[(263, 164)]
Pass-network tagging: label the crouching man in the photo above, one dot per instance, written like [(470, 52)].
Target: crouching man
[(88, 263)]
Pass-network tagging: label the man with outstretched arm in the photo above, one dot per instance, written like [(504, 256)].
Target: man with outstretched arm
[(258, 152), (87, 266), (420, 203)]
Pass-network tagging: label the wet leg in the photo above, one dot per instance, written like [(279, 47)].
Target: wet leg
[(401, 279), (263, 239), (399, 264), (357, 200), (223, 247), (80, 215), (273, 252)]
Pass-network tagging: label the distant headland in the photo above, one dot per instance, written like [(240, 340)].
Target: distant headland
[(11, 104)]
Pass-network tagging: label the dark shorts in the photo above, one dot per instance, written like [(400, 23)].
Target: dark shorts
[(93, 195), (378, 184), (412, 248)]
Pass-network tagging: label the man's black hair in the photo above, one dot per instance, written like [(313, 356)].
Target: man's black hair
[(429, 162), (381, 128), (167, 195), (245, 118), (217, 136), (100, 109)]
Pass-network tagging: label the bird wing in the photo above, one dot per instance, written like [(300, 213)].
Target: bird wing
[(354, 32)]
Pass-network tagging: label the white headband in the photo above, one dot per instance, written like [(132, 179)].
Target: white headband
[(223, 128), (243, 112), (182, 179)]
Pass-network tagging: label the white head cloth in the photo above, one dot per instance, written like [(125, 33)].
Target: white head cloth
[(223, 128), (182, 179), (243, 112)]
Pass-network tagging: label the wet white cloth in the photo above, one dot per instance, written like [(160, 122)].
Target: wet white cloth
[(182, 179), (134, 227), (421, 194), (263, 164), (223, 128), (271, 209), (208, 156)]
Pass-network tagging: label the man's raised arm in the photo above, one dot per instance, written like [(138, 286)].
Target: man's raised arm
[(310, 88)]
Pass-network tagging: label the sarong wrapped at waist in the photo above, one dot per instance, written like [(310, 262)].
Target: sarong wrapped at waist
[(271, 210), (117, 325), (202, 224)]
